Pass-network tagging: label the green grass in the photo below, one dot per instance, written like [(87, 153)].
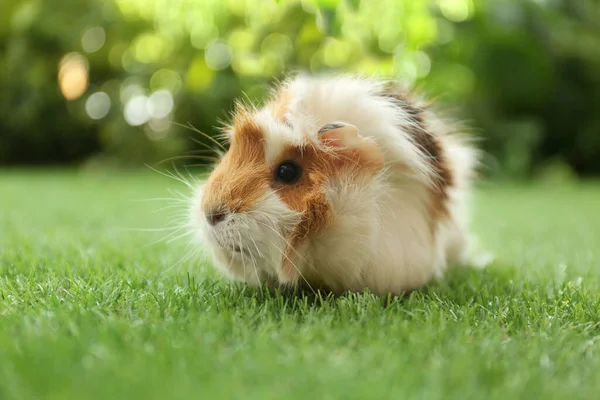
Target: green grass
[(89, 310)]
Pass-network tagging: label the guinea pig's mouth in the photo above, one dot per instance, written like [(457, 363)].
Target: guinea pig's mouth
[(235, 249), (238, 249), (241, 251)]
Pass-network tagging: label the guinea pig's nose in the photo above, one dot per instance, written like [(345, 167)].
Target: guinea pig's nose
[(215, 217)]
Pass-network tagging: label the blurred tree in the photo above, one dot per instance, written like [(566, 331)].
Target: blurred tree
[(533, 81), (93, 80)]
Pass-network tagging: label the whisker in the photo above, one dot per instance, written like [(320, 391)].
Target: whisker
[(281, 237), (169, 175), (199, 165), (200, 151), (242, 253), (180, 236), (192, 180), (180, 195), (170, 235), (169, 207), (187, 157), (157, 199), (285, 255), (208, 148), (189, 253), (244, 260), (148, 229), (256, 247), (253, 259), (295, 267), (194, 129)]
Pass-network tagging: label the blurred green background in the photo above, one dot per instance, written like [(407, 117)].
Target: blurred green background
[(106, 83)]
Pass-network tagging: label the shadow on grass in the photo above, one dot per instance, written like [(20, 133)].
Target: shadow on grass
[(461, 285), (497, 293)]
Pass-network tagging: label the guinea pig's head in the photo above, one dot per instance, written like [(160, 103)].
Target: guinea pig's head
[(268, 194)]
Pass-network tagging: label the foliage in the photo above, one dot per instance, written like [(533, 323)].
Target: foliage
[(523, 72), (92, 310)]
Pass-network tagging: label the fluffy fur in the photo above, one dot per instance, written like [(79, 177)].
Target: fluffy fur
[(381, 203)]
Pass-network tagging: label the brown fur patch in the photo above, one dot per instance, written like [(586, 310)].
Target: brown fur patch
[(432, 148), (229, 188), (308, 195)]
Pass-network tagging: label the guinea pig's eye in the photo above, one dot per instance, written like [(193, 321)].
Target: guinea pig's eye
[(288, 172)]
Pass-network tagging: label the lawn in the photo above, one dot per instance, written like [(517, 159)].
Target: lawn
[(91, 308)]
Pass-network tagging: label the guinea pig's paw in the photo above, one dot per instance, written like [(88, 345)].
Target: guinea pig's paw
[(346, 137)]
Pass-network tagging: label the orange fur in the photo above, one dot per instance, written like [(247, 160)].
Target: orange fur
[(343, 154), (228, 187)]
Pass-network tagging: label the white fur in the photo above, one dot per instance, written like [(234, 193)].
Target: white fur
[(381, 238), (259, 233)]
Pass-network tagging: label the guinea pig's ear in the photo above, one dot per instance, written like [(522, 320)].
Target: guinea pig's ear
[(346, 138)]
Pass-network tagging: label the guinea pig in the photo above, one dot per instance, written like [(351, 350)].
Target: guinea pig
[(343, 183)]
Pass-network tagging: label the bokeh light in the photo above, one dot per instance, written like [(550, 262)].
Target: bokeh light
[(166, 79), (456, 10), (218, 55), (150, 48), (136, 111), (335, 52), (158, 128), (97, 105), (160, 104), (130, 88), (73, 73), (202, 32), (93, 39)]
